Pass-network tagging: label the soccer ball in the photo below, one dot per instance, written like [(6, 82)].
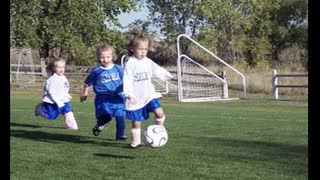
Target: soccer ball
[(155, 136)]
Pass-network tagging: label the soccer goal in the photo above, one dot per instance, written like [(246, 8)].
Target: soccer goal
[(196, 83), (21, 66)]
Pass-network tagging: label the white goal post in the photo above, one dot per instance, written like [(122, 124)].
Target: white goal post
[(196, 83), (21, 66)]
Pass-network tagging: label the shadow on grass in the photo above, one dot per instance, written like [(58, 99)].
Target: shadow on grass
[(58, 138), (113, 156), (24, 125), (32, 126)]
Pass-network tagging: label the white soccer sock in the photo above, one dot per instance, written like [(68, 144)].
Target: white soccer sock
[(136, 137), (159, 121), (70, 121)]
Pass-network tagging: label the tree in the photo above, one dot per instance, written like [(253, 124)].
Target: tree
[(67, 27), (235, 29), (290, 26), (174, 17), (144, 26), (238, 29)]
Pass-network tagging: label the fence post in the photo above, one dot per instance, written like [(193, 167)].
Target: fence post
[(43, 68), (274, 84), (225, 93)]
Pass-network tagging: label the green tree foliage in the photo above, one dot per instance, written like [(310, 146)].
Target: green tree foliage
[(236, 30), (290, 27), (142, 26), (72, 26), (174, 17)]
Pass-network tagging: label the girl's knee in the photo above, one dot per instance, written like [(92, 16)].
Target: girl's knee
[(159, 113)]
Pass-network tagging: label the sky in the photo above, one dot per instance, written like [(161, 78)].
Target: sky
[(126, 18)]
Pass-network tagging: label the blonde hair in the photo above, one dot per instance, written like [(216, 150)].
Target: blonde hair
[(52, 61), (137, 37), (106, 47)]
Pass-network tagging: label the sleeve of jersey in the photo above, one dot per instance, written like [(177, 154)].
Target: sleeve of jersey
[(128, 81), (160, 72), (90, 78), (120, 69), (53, 91)]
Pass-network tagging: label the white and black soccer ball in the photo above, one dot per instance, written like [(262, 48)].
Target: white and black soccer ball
[(155, 136)]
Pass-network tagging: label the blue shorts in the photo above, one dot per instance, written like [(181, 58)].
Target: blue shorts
[(106, 111), (52, 111), (143, 113)]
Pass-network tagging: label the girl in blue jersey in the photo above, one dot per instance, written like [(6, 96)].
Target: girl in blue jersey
[(141, 97), (107, 81), (56, 97)]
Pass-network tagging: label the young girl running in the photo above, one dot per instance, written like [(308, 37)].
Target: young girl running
[(56, 97), (141, 97), (106, 79)]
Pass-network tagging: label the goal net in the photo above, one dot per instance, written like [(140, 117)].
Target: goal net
[(198, 83), (204, 77), (21, 67)]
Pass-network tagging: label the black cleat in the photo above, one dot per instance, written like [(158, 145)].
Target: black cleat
[(38, 110), (96, 130)]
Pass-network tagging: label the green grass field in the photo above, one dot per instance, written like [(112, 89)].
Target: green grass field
[(241, 139)]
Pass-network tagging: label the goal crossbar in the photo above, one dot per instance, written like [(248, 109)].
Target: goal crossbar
[(181, 56)]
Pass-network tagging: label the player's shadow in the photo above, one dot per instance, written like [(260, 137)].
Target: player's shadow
[(113, 156), (31, 126), (57, 138)]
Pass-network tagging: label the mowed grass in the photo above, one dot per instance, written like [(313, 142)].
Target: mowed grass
[(241, 139)]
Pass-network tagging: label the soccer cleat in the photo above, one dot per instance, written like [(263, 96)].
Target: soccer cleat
[(123, 138), (38, 110), (137, 146), (97, 129)]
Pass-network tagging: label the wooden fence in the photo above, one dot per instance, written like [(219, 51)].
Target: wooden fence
[(43, 71), (276, 86)]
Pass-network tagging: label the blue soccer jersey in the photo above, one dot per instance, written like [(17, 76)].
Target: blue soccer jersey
[(107, 82), (109, 101)]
